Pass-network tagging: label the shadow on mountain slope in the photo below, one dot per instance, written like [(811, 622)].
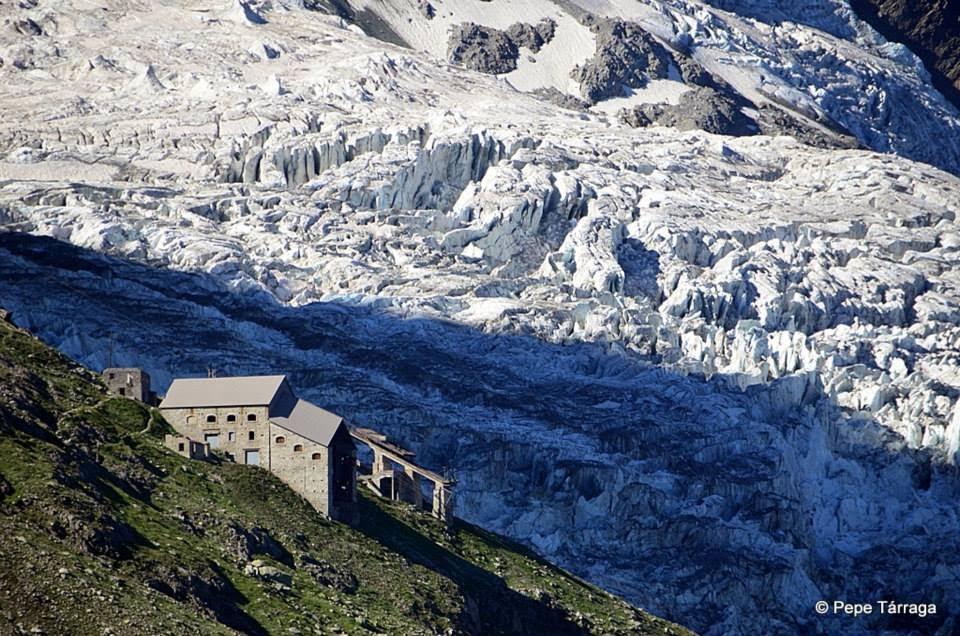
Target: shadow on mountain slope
[(94, 507), (479, 587), (651, 482)]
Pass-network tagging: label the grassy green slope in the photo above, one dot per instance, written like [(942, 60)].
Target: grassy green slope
[(102, 531)]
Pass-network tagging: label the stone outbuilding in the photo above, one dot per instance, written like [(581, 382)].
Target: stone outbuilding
[(129, 382), (259, 420)]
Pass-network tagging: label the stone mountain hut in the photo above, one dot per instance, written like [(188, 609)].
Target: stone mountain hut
[(258, 420)]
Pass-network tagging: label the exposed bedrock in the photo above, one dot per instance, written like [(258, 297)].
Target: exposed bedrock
[(626, 57), (564, 100), (777, 121), (489, 50), (482, 48), (713, 106), (530, 36), (699, 109), (426, 9)]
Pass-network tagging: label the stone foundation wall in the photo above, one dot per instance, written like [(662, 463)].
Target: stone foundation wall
[(232, 427)]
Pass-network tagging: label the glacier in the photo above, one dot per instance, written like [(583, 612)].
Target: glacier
[(716, 375)]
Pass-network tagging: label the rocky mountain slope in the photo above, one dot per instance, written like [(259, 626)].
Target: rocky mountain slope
[(812, 70), (107, 532), (717, 375)]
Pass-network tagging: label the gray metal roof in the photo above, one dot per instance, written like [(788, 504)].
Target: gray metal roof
[(256, 390), (310, 421)]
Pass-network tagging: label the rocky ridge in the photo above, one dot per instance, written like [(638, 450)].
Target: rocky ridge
[(493, 51), (626, 57)]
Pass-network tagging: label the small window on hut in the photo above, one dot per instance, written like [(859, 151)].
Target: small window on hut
[(251, 435), (251, 417), (211, 419), (280, 439), (231, 418), (315, 456), (298, 448)]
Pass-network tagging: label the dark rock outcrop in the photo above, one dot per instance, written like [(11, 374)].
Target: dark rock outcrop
[(488, 50), (483, 49), (207, 590), (626, 57), (242, 543), (775, 121), (716, 107), (368, 20), (558, 97), (699, 109), (530, 36)]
